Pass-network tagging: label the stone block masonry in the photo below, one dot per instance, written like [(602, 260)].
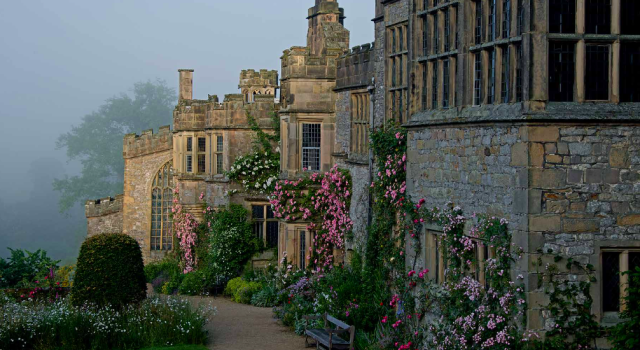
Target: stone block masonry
[(147, 142), (104, 215), (569, 188)]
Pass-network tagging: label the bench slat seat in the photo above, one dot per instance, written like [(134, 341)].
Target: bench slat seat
[(330, 338), (322, 337)]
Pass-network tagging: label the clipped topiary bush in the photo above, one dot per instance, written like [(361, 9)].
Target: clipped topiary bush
[(110, 271)]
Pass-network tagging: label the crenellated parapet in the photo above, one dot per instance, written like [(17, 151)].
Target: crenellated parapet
[(147, 142), (103, 207), (297, 62), (263, 78), (355, 68)]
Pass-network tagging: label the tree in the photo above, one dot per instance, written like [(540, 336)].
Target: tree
[(97, 141)]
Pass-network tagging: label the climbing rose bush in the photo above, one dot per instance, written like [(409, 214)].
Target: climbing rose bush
[(184, 226), (324, 201)]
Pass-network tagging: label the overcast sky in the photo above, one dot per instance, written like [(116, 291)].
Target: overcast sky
[(60, 60)]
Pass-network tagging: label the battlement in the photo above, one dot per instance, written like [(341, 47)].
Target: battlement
[(233, 98), (297, 62), (262, 78), (103, 206), (147, 142), (355, 68)]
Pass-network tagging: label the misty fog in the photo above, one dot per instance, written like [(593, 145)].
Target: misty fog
[(60, 60)]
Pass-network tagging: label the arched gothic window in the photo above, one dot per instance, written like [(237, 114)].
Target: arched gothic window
[(161, 202)]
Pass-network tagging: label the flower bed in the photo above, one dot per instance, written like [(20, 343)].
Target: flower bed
[(38, 325)]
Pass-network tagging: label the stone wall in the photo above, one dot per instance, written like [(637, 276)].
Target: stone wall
[(104, 215), (147, 142), (359, 209), (572, 188), (139, 173)]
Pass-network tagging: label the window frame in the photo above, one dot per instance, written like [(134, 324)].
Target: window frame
[(263, 224), (303, 147), (624, 253), (588, 77), (360, 118), (163, 243), (571, 72), (477, 79)]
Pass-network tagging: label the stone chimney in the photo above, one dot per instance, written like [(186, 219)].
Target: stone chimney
[(186, 84)]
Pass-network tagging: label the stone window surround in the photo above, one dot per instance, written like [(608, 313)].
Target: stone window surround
[(211, 151), (433, 255), (608, 318), (265, 219), (287, 242), (360, 117), (582, 39)]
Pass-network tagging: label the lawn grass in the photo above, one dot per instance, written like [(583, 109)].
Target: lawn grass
[(179, 347)]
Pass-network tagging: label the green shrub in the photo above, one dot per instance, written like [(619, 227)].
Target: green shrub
[(23, 267), (231, 240), (110, 271), (165, 272), (192, 284), (246, 291), (627, 335), (232, 286), (267, 297)]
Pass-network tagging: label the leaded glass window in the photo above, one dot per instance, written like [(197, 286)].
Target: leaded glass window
[(561, 71), (598, 16), (477, 79), (478, 21), (562, 16), (506, 71), (630, 72), (303, 250), (311, 146), (506, 18), (161, 204), (597, 74), (611, 281)]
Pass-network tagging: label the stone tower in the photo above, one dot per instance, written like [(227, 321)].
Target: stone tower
[(326, 30)]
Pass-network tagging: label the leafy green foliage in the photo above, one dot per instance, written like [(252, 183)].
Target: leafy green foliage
[(626, 336), (570, 304), (192, 284), (97, 141), (24, 267), (231, 239), (110, 272)]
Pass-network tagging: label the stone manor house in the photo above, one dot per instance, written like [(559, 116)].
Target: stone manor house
[(522, 109)]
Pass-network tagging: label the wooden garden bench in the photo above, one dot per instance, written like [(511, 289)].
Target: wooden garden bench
[(330, 337)]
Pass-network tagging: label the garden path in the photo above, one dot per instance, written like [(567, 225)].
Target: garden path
[(246, 327)]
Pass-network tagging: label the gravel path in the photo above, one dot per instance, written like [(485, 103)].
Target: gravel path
[(246, 327)]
